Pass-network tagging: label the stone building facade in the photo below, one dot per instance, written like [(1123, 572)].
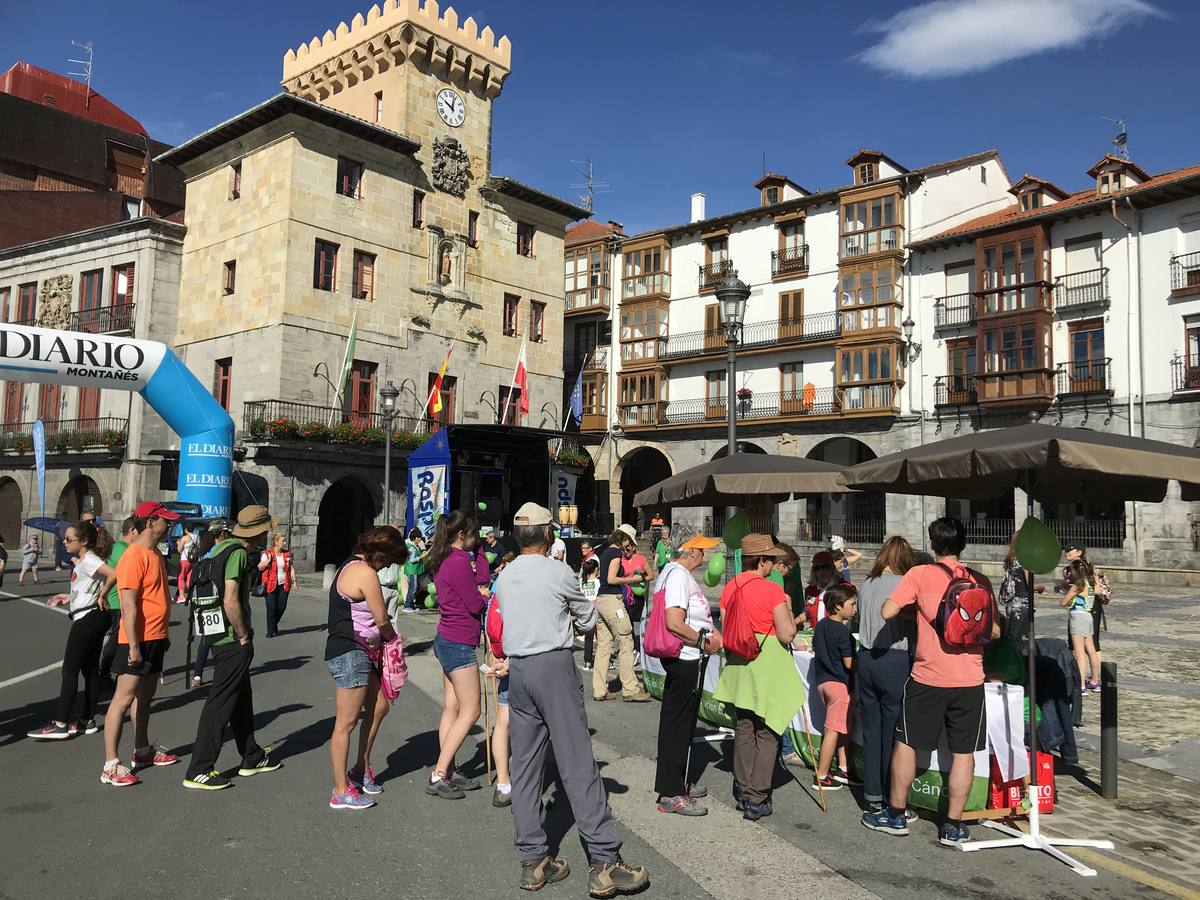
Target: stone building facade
[(362, 199), (105, 448)]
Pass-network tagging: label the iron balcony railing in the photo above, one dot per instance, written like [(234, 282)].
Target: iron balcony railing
[(814, 402), (853, 529), (954, 390), (1002, 301), (1185, 272), (1085, 376), (1185, 373), (790, 260), (715, 272), (1080, 289), (593, 360), (596, 298), (997, 532), (816, 327), (258, 416), (103, 319), (67, 434), (954, 310)]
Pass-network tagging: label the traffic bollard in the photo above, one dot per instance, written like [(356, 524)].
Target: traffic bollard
[(1108, 730)]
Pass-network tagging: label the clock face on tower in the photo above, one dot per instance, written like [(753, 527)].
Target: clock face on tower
[(451, 108)]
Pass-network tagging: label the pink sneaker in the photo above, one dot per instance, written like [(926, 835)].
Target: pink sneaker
[(118, 776), (156, 757)]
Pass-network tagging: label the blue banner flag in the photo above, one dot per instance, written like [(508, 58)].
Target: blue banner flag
[(429, 483), (577, 399), (39, 459)]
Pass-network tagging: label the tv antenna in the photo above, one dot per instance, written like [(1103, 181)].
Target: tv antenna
[(1121, 141), (86, 74), (589, 185)]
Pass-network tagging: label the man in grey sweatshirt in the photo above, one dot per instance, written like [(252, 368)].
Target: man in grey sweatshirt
[(538, 597)]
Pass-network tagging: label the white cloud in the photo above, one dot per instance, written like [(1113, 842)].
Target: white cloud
[(953, 37)]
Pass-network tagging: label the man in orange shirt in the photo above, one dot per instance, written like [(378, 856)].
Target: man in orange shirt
[(944, 693), (142, 644)]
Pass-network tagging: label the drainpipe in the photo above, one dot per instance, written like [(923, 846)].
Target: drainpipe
[(1133, 319)]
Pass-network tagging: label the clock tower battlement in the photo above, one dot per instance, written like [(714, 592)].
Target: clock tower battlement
[(393, 67)]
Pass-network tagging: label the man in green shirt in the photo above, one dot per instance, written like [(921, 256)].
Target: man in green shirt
[(128, 533), (230, 699)]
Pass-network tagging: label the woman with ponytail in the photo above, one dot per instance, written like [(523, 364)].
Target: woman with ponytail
[(460, 571), (91, 580)]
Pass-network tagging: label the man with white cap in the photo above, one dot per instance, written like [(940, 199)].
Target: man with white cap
[(538, 597), (230, 699)]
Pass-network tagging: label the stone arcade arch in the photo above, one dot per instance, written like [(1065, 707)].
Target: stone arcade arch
[(81, 494), (347, 510), (640, 469), (859, 517), (11, 511)]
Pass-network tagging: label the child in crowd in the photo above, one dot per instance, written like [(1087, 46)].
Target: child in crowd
[(589, 583), (823, 576), (833, 649)]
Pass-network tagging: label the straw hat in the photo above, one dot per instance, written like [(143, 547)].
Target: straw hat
[(253, 521), (760, 545)]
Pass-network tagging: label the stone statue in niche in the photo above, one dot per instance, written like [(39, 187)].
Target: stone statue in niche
[(451, 166), (444, 264), (54, 305)]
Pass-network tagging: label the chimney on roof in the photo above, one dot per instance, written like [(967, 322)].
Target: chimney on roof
[(697, 207)]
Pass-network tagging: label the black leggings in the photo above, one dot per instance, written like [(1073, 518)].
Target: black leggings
[(82, 655)]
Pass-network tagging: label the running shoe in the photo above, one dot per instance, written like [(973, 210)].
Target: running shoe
[(156, 757), (841, 776), (463, 783), (951, 835), (444, 789), (755, 811), (52, 731), (266, 764), (118, 776), (365, 783), (827, 783), (87, 727), (697, 791), (1093, 687), (501, 799), (352, 799), (883, 820), (681, 806), (207, 781)]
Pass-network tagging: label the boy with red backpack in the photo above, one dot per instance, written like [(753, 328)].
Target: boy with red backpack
[(956, 616)]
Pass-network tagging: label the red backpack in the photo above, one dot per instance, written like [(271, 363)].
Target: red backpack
[(738, 637), (965, 615)]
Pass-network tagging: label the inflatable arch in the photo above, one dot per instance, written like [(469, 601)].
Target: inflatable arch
[(43, 355)]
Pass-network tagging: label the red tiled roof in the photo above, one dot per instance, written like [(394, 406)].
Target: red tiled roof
[(1014, 214), (587, 230)]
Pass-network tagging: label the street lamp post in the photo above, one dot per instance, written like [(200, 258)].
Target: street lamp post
[(388, 393), (731, 308)]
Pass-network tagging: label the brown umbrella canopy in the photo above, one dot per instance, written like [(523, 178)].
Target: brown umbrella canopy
[(732, 479), (1051, 463)]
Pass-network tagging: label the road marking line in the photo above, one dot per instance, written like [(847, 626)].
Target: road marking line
[(34, 674), (42, 605), (1133, 873)]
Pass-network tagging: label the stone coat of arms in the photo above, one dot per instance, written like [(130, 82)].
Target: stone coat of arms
[(451, 166)]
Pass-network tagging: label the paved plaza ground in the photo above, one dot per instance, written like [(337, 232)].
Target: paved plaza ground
[(64, 834)]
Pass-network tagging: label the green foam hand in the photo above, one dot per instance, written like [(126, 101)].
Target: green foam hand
[(1037, 548)]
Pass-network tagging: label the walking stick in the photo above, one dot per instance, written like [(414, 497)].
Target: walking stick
[(687, 765), (812, 755), (191, 634), (487, 727)]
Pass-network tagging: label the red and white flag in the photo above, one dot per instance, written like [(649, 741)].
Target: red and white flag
[(521, 381)]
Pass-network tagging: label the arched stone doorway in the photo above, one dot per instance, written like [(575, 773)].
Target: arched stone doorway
[(11, 512), (762, 522), (346, 511), (79, 496), (859, 517), (642, 468)]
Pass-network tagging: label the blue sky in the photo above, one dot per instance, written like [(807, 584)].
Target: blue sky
[(672, 97)]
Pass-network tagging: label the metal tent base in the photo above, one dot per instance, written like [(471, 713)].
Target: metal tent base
[(1035, 840)]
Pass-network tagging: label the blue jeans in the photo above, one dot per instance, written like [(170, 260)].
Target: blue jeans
[(786, 746), (410, 600), (881, 678)]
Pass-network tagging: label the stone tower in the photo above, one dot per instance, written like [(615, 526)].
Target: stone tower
[(411, 69)]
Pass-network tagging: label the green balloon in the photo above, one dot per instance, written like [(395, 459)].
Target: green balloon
[(430, 603), (1037, 548), (735, 529), (716, 566), (432, 589), (481, 506), (710, 579)]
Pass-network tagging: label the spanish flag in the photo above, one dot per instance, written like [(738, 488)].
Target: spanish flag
[(435, 395)]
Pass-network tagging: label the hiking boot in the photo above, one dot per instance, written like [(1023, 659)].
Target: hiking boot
[(681, 806), (365, 782), (266, 764), (607, 695), (500, 798), (607, 879), (463, 783), (951, 835), (118, 776), (444, 789), (639, 697), (207, 781), (752, 812), (154, 756), (51, 731), (883, 820), (352, 799), (547, 870)]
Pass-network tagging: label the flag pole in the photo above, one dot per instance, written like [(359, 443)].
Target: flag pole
[(512, 386), (346, 361)]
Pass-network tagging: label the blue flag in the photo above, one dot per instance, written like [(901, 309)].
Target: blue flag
[(39, 458), (429, 483), (577, 399)]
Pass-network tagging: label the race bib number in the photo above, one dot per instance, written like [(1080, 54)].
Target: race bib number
[(210, 622)]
